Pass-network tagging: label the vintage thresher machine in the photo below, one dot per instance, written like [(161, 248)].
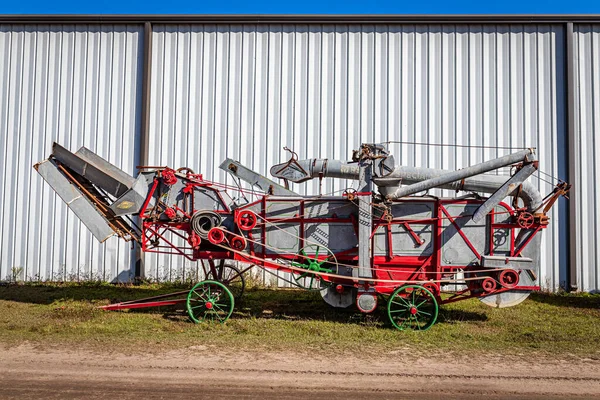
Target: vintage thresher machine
[(385, 240)]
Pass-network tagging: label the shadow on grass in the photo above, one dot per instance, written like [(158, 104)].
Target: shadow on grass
[(91, 292), (298, 305), (580, 300), (256, 303)]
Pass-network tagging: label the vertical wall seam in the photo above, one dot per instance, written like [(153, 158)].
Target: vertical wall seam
[(573, 283)]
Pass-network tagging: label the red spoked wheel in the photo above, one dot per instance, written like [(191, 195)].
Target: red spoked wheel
[(488, 285), (246, 220), (216, 236), (525, 220), (237, 243), (509, 278)]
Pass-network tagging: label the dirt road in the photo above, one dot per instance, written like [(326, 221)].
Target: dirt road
[(27, 372)]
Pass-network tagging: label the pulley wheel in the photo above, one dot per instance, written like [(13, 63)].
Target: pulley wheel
[(246, 220), (216, 236), (314, 259), (509, 278), (505, 299)]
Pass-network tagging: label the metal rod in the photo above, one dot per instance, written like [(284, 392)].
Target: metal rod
[(140, 258), (572, 157), (504, 191), (454, 176)]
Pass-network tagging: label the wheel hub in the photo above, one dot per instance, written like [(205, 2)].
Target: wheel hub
[(413, 310), (209, 305)]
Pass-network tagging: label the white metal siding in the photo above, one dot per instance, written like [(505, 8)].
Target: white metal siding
[(587, 154), (245, 91), (77, 85)]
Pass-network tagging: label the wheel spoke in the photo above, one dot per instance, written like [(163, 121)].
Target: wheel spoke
[(404, 301), (317, 253), (421, 303), (200, 296), (423, 312), (400, 304), (216, 307), (298, 265)]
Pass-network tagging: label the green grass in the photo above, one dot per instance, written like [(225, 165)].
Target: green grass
[(53, 314)]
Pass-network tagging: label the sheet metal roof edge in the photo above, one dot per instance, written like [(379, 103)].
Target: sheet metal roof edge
[(300, 18)]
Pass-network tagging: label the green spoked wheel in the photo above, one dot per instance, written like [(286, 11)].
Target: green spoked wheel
[(209, 301), (314, 259), (412, 307)]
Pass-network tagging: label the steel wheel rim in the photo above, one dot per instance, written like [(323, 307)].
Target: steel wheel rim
[(412, 307), (210, 301), (231, 277)]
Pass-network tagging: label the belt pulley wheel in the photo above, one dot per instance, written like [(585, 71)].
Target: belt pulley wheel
[(237, 243), (525, 220), (203, 221), (314, 259), (508, 278), (412, 307), (488, 285), (246, 220), (216, 236)]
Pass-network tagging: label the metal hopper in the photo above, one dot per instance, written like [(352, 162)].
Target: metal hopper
[(88, 184)]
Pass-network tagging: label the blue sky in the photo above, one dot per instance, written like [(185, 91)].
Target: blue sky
[(298, 7)]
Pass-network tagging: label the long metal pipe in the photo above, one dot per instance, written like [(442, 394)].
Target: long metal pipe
[(304, 170), (453, 176), (481, 183)]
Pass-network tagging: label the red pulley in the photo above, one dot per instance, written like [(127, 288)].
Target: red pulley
[(525, 220), (246, 220), (216, 236), (194, 240), (170, 213), (169, 177), (509, 278), (237, 243), (488, 285)]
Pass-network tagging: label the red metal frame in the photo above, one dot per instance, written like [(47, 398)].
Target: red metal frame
[(388, 267)]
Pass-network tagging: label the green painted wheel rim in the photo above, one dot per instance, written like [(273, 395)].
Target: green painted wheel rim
[(313, 267), (210, 301), (412, 307)]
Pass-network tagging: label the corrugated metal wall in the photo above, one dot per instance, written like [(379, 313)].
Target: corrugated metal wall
[(245, 91), (77, 85), (587, 139)]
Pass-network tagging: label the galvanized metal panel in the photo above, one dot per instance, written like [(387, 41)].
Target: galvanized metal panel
[(79, 86), (245, 91), (587, 157)]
